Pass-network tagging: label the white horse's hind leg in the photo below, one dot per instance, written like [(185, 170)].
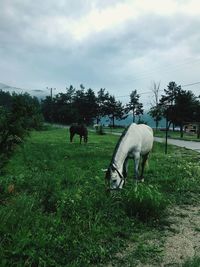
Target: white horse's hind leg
[(137, 161), (144, 160)]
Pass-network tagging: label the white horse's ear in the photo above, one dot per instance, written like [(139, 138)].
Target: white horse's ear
[(104, 170)]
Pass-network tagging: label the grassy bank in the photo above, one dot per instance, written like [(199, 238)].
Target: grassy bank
[(177, 135), (158, 133), (54, 210)]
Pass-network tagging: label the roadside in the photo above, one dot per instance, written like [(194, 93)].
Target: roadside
[(193, 145), (181, 143)]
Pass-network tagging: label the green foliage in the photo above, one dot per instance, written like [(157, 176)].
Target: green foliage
[(195, 262), (82, 106), (179, 106), (145, 202), (156, 113), (114, 110), (18, 115), (134, 106), (78, 106)]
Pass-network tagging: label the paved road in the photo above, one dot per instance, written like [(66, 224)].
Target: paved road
[(187, 144)]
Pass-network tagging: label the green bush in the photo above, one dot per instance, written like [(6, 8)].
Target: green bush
[(144, 202), (16, 119), (195, 262), (99, 129)]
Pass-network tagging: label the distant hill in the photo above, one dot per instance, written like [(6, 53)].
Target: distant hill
[(36, 92), (8, 88), (145, 117)]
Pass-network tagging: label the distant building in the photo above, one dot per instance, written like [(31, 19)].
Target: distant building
[(191, 127)]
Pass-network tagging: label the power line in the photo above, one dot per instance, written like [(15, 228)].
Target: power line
[(190, 84), (147, 92), (144, 75)]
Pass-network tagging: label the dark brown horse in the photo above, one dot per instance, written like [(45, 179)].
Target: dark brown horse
[(81, 130)]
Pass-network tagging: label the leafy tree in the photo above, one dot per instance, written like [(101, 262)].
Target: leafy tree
[(46, 108), (179, 106), (134, 105), (16, 119), (156, 114), (5, 99), (167, 102), (102, 98), (28, 110), (155, 110), (63, 110), (91, 106), (85, 103), (114, 110), (197, 118), (185, 108), (60, 108)]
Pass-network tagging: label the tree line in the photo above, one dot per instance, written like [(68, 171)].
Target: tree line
[(178, 106), (84, 106)]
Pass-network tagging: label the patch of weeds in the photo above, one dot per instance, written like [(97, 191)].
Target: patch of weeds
[(145, 252), (49, 193), (194, 262), (144, 202)]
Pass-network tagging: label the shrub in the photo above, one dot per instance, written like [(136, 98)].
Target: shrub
[(144, 202), (195, 262), (16, 119), (99, 129)]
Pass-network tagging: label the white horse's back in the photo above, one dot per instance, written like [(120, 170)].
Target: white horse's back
[(139, 138)]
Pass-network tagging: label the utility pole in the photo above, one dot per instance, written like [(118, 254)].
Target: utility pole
[(51, 94), (167, 125), (166, 131)]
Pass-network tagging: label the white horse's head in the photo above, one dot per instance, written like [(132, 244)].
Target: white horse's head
[(114, 179)]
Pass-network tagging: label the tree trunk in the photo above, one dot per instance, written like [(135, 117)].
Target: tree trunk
[(198, 131), (113, 121), (181, 130), (133, 117), (156, 125)]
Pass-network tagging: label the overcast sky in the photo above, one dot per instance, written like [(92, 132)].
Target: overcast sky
[(120, 45)]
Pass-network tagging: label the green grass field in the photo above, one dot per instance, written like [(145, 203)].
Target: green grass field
[(54, 210), (176, 135)]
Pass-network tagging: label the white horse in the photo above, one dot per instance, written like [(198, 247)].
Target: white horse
[(135, 142)]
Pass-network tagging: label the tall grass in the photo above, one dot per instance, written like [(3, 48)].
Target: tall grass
[(58, 213)]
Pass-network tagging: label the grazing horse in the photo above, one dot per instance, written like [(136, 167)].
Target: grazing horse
[(135, 142), (80, 130)]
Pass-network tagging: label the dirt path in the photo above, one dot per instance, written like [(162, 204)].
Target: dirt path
[(183, 235), (180, 241)]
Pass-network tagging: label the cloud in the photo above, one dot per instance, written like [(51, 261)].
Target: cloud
[(120, 45)]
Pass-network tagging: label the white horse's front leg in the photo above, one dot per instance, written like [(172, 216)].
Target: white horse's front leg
[(137, 161)]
